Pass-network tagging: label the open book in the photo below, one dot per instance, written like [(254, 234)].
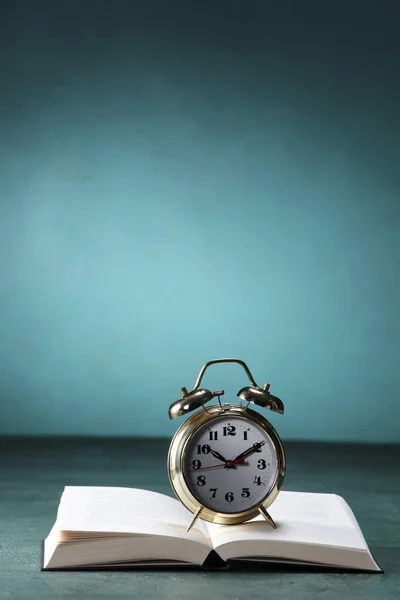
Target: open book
[(100, 527)]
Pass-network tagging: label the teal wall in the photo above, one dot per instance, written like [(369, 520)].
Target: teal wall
[(183, 181)]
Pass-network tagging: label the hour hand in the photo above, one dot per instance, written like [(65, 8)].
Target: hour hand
[(254, 448), (217, 455)]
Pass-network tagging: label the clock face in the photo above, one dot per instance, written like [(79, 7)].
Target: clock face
[(229, 464)]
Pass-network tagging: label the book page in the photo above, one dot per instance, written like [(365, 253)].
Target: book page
[(304, 521), (126, 511)]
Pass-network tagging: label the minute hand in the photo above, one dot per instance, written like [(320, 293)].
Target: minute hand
[(254, 448)]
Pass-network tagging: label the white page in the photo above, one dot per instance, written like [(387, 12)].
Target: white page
[(300, 517), (307, 521), (126, 511)]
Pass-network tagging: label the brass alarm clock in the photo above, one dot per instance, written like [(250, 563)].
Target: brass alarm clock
[(226, 462)]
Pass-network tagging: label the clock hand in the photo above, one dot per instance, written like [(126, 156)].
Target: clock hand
[(233, 462), (217, 455), (230, 464), (254, 448)]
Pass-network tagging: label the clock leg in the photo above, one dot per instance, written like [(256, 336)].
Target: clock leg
[(195, 517), (267, 517)]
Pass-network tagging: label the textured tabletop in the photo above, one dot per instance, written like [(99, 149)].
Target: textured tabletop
[(33, 473)]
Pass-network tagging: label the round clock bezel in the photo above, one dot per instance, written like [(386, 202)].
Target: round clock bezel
[(176, 460)]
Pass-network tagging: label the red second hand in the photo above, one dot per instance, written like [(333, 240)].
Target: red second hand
[(228, 463)]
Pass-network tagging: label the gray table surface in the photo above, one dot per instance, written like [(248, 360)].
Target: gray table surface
[(34, 472)]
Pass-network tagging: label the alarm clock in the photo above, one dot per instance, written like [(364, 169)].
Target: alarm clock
[(226, 462)]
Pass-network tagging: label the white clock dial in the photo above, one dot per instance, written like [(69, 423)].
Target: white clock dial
[(230, 464)]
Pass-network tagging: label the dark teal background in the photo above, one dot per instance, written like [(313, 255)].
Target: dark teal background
[(182, 181)]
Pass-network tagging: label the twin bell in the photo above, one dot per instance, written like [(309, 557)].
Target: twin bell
[(198, 397)]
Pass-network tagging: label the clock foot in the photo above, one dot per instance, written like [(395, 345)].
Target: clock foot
[(195, 517), (267, 517)]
